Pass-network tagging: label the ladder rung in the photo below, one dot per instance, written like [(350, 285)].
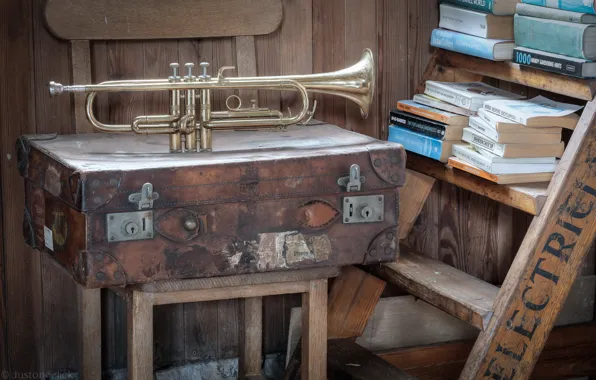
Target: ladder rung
[(584, 89), (526, 197), (447, 288)]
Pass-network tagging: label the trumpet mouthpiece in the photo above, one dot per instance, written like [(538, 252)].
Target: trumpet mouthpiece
[(55, 88)]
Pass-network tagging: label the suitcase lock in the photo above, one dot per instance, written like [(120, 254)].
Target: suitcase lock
[(136, 225), (360, 209)]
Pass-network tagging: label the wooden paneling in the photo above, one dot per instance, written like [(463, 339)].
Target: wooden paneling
[(476, 235)]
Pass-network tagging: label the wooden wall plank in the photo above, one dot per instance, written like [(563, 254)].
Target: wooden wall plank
[(328, 33), (80, 53), (17, 116), (361, 17)]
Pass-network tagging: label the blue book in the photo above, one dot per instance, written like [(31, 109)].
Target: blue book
[(559, 37), (496, 7), (421, 144), (581, 6), (495, 50)]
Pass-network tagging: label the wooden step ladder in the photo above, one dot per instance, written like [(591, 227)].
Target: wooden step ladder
[(516, 319)]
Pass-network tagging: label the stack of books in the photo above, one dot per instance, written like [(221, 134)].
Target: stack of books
[(557, 36), (515, 141), (479, 28), (433, 122)]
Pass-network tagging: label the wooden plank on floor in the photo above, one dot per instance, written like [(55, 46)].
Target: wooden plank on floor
[(451, 290), (545, 266), (411, 200), (569, 352), (349, 361)]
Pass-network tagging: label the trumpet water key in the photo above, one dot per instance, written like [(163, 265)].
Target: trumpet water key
[(191, 120)]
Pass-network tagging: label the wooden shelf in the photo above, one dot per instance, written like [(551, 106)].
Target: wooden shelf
[(526, 197), (584, 89), (445, 287)]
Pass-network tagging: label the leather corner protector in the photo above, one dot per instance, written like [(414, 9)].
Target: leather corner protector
[(389, 164), (180, 225), (317, 214), (97, 269), (99, 188), (383, 247)]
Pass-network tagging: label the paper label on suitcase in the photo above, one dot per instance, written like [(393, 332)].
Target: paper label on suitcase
[(48, 238)]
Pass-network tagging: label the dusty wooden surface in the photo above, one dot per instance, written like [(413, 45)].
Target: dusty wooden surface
[(545, 267), (569, 353), (443, 286), (138, 19)]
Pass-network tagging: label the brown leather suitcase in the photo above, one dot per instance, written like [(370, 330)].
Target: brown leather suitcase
[(119, 209)]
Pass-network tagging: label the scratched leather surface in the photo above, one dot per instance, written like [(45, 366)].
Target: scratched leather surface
[(264, 201)]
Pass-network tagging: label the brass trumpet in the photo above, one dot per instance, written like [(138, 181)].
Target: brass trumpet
[(193, 127)]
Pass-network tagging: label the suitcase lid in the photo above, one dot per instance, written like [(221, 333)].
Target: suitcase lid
[(102, 171)]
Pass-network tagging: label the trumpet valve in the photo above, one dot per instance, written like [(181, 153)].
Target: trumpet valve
[(175, 77)]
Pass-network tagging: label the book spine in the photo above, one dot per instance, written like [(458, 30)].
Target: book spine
[(424, 113), (547, 63), (483, 143), (466, 155), (548, 13), (448, 96), (504, 114), (417, 125), (580, 6), (463, 43), (461, 20), (536, 33), (481, 5), (477, 123), (416, 143), (473, 170)]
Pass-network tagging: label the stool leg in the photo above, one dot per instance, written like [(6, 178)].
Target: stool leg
[(251, 338), (314, 331), (90, 333), (140, 336)]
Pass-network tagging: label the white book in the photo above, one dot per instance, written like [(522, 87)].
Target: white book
[(501, 124), (477, 123), (512, 150), (523, 160), (469, 154), (536, 113), (475, 23), (468, 95), (439, 104)]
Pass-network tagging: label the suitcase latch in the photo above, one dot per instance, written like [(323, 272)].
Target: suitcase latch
[(353, 181), (145, 198)]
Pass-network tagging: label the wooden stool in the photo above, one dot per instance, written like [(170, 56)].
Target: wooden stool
[(312, 283)]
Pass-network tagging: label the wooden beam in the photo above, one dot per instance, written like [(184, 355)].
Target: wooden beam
[(349, 361), (314, 326), (80, 53), (140, 336), (90, 332), (451, 290), (569, 353), (352, 301), (250, 357), (411, 200), (545, 266)]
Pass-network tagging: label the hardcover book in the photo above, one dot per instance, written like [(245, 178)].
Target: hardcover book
[(479, 24), (421, 144), (512, 150), (502, 179), (581, 6), (441, 105), (471, 155), (559, 37), (495, 50), (468, 95), (477, 123), (424, 126), (496, 7), (554, 14), (500, 124), (536, 113), (431, 113), (556, 63)]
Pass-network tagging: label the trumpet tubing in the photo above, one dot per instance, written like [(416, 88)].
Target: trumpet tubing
[(190, 122)]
